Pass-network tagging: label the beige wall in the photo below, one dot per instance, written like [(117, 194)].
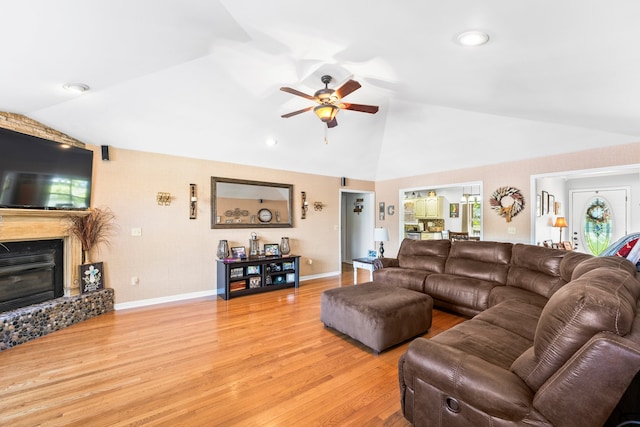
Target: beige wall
[(176, 255), (514, 174)]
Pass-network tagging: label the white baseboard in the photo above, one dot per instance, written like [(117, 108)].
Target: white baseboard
[(320, 276), (162, 300), (192, 295)]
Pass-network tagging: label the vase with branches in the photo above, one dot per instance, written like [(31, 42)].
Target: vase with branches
[(92, 229)]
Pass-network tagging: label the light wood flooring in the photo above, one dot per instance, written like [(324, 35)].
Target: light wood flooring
[(259, 360)]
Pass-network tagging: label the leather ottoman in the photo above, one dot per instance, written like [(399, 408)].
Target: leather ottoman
[(377, 315)]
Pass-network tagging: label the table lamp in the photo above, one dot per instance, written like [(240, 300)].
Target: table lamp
[(381, 234), (561, 223)]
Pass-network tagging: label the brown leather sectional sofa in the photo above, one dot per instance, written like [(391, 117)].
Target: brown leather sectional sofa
[(554, 341)]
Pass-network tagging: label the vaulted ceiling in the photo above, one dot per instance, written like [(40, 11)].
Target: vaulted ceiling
[(201, 78)]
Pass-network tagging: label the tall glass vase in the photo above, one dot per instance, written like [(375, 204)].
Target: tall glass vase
[(284, 246), (223, 249)]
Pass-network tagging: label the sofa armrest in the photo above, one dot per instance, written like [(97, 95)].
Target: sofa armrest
[(488, 388), (380, 263)]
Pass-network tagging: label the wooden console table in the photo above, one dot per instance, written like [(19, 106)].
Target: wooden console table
[(254, 275)]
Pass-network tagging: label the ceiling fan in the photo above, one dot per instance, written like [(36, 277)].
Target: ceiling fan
[(329, 101)]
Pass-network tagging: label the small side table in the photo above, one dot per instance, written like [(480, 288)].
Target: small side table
[(366, 263)]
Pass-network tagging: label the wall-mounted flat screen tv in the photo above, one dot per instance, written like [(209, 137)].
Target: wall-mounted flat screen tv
[(36, 173)]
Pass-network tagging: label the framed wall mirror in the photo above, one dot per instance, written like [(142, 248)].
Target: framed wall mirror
[(237, 203)]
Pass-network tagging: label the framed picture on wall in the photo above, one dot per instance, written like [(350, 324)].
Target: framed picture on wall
[(552, 204), (538, 205), (545, 202), (454, 210)]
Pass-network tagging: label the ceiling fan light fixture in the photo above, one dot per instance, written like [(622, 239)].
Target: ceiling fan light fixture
[(326, 112), (473, 38)]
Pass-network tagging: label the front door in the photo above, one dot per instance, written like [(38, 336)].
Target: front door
[(598, 218)]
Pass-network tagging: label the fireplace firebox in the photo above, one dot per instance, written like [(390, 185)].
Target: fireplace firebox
[(30, 272)]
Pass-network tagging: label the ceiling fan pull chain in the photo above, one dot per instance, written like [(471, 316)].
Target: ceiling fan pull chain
[(326, 139)]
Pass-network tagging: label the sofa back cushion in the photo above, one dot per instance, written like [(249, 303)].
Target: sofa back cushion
[(536, 269), (429, 255), (569, 262), (601, 300), (487, 261), (612, 262)]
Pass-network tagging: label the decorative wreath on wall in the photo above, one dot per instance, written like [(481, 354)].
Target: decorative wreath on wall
[(507, 202)]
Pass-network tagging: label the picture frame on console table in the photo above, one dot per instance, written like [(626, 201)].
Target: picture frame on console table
[(271, 249), (91, 277), (238, 252)]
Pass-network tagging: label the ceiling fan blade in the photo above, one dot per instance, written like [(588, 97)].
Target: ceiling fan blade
[(371, 109), (347, 88), (333, 123), (297, 92), (294, 113)]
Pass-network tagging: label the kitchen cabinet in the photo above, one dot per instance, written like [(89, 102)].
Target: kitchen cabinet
[(429, 207), (420, 207)]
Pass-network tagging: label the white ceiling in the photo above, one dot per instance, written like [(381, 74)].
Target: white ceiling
[(201, 78)]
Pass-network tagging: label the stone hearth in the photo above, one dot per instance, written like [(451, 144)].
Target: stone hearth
[(24, 324)]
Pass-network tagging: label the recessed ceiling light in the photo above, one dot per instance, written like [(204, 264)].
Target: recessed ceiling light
[(76, 87), (271, 142), (473, 38)]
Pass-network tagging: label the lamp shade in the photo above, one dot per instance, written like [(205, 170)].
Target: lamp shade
[(560, 222), (326, 112), (380, 234)]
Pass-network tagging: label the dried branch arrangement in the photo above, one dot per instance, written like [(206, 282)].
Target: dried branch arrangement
[(93, 228)]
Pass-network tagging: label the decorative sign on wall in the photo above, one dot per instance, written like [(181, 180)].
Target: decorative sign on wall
[(507, 202)]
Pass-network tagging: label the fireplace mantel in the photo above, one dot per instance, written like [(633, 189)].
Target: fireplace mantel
[(34, 224)]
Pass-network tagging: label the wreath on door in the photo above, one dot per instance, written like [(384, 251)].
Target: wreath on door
[(507, 202)]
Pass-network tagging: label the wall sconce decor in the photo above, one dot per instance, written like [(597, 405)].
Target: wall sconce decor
[(381, 211), (317, 206), (193, 201), (163, 198), (305, 205), (358, 205)]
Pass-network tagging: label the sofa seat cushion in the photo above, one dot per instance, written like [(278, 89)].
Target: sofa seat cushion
[(516, 316), (486, 338), (506, 293), (460, 291), (407, 278)]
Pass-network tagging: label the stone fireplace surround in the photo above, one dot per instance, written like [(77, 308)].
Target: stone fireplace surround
[(23, 324)]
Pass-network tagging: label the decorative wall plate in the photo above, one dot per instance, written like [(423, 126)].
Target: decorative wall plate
[(507, 202)]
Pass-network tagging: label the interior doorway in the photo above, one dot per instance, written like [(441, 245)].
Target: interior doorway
[(357, 221), (555, 198)]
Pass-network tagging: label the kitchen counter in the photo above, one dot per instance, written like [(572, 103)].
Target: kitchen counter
[(431, 235)]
